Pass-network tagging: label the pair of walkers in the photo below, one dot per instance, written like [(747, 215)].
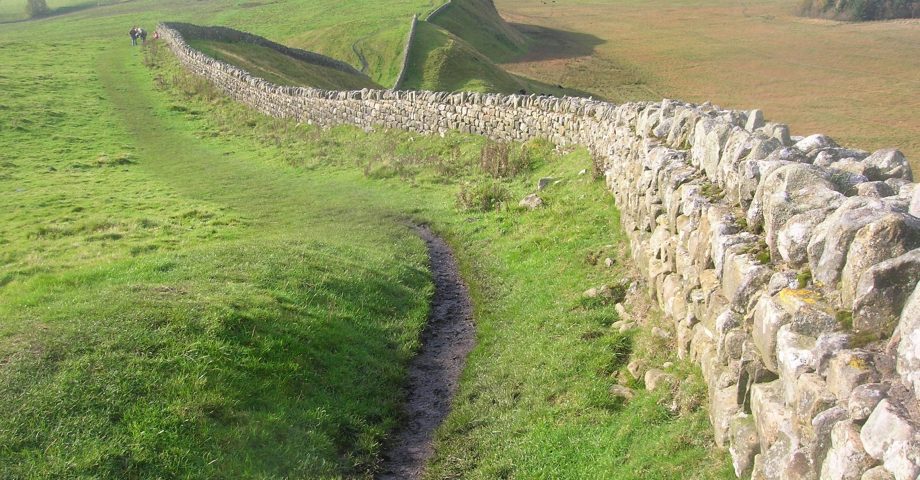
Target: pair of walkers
[(138, 32)]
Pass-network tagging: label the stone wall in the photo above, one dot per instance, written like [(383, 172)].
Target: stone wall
[(437, 11), (404, 67), (788, 266)]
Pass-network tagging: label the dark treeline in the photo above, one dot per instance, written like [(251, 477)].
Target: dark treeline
[(860, 10)]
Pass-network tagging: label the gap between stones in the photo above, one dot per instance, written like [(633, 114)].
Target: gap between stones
[(435, 371)]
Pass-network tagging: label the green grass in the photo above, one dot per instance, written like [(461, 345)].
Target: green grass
[(191, 290), (343, 29), (348, 30), (279, 68), (182, 309)]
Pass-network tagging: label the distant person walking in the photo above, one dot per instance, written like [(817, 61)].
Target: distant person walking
[(133, 33), (143, 35)]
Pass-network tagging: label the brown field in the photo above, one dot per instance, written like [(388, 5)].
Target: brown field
[(858, 83)]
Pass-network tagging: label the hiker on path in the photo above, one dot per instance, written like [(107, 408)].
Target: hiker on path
[(133, 34)]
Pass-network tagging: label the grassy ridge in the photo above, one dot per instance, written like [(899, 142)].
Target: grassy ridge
[(441, 61), (479, 24), (279, 68), (347, 30)]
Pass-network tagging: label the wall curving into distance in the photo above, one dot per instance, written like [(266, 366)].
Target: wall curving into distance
[(789, 266)]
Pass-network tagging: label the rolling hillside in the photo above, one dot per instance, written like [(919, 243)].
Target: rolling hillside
[(189, 289)]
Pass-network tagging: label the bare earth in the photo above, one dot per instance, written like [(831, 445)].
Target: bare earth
[(857, 82), (434, 373)]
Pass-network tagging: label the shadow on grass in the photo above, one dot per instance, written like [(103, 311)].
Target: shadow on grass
[(60, 11), (553, 44)]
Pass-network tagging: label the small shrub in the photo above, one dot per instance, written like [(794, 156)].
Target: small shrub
[(712, 192), (500, 160), (483, 195), (803, 278), (153, 58), (760, 251), (845, 319)]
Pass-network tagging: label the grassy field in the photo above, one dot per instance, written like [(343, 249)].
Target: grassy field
[(180, 307), (279, 68), (854, 82), (371, 39)]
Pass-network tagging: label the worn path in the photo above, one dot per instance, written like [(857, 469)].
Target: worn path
[(435, 371)]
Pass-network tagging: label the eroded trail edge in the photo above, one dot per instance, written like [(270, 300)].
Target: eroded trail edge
[(435, 372)]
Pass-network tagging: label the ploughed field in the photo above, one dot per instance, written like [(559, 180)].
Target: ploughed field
[(191, 290), (856, 82)]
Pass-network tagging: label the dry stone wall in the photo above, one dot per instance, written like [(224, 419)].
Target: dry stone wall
[(404, 67), (437, 11), (788, 266)]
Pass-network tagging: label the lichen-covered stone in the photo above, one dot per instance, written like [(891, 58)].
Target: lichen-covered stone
[(877, 473), (830, 242), (848, 370)]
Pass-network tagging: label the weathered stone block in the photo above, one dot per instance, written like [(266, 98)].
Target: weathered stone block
[(769, 412), (888, 435), (888, 163), (882, 293), (768, 317), (743, 444), (864, 398), (791, 190), (794, 356), (742, 277), (848, 370), (847, 459), (830, 243)]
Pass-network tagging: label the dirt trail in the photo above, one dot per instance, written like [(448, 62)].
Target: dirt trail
[(434, 373)]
